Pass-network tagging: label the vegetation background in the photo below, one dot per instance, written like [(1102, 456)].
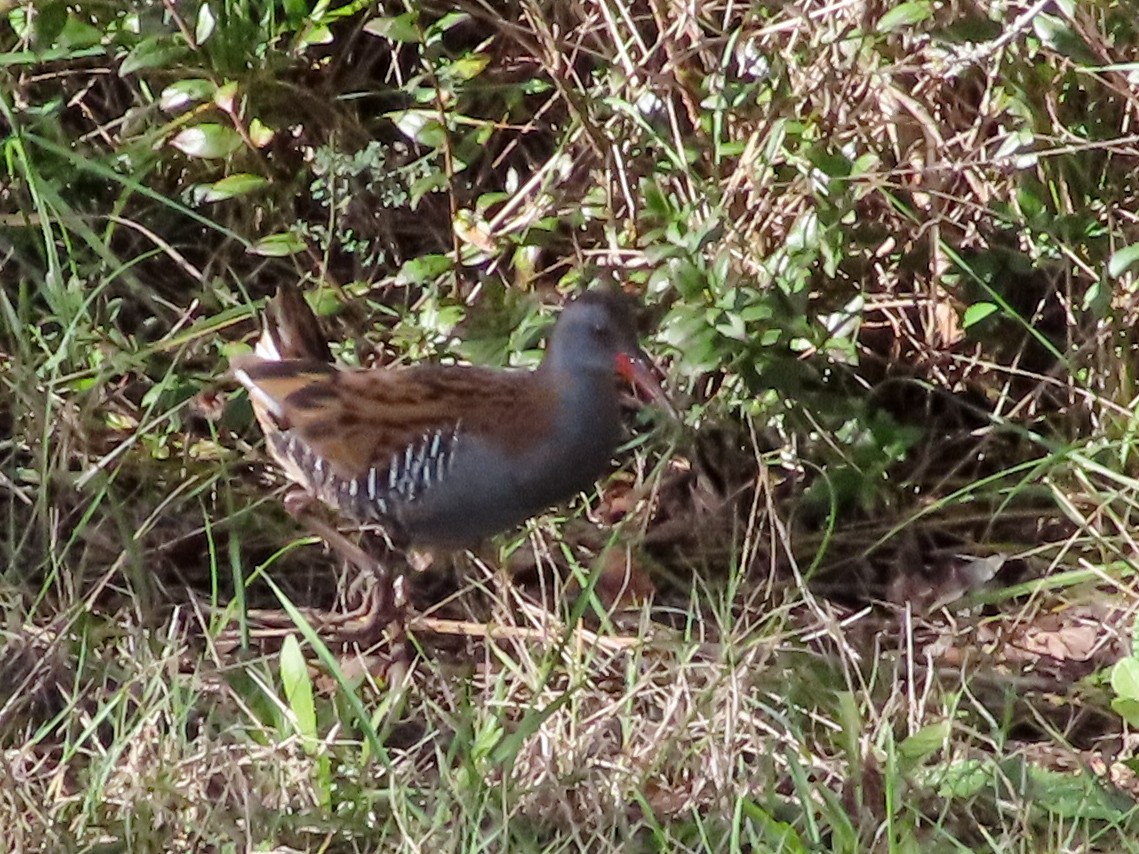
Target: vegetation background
[(877, 592)]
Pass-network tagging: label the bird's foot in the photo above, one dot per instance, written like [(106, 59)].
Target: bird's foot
[(380, 616)]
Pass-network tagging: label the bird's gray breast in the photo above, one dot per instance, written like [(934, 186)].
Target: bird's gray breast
[(492, 485), (477, 497)]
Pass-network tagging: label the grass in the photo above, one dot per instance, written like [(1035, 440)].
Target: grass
[(875, 593)]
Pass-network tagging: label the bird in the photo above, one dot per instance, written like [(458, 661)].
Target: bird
[(442, 457)]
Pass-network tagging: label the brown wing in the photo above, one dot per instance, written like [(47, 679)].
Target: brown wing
[(357, 419), (271, 382)]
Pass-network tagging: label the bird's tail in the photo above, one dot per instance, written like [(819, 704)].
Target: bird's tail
[(291, 330), (291, 353)]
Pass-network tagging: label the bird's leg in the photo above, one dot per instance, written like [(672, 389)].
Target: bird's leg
[(383, 602), (298, 504)]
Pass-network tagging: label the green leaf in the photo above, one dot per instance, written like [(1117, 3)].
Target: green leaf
[(298, 689), (432, 183), (208, 141), (905, 15), (757, 312), (977, 312), (927, 740), (698, 346), (656, 202), (225, 96), (319, 34), (185, 92), (278, 245), (831, 164), (421, 126), (78, 34), (971, 28), (1125, 683), (489, 200), (205, 25), (1097, 299), (1125, 678), (468, 67), (1056, 33), (1030, 202), (1122, 260), (20, 22), (963, 779), (1127, 709), (424, 269), (781, 835), (49, 21), (401, 28), (1079, 796), (452, 19), (732, 326), (153, 52), (296, 11), (239, 184), (260, 134), (687, 277)]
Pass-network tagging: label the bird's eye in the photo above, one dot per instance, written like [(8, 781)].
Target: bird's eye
[(600, 331)]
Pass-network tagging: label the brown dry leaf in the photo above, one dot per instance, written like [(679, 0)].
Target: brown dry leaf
[(1076, 643), (948, 325), (618, 500), (1076, 633), (623, 583), (475, 231), (209, 404), (666, 801)]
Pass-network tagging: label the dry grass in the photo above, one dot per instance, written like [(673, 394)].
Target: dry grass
[(868, 598)]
